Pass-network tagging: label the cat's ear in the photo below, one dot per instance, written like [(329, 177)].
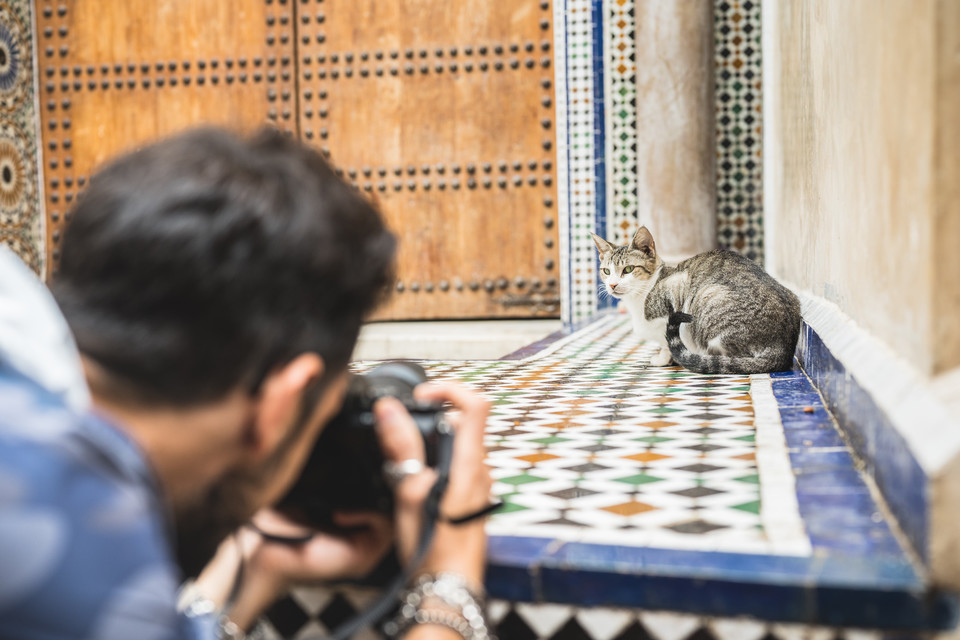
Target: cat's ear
[(602, 245), (643, 242)]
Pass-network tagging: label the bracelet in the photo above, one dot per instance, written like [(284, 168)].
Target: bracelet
[(194, 604), (466, 607)]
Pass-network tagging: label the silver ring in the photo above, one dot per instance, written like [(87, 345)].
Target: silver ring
[(395, 472)]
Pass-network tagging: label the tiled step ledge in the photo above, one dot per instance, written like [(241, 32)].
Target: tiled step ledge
[(904, 426), (856, 576)]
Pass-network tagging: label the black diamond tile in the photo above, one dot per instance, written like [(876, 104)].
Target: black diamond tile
[(337, 611), (696, 526), (563, 520), (697, 492), (707, 416), (704, 431), (702, 634), (704, 448), (571, 631), (614, 417), (635, 631), (513, 627), (287, 617), (511, 432), (587, 467), (699, 468), (593, 448), (605, 432), (572, 493)]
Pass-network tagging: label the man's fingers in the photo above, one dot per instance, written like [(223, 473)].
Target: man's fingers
[(399, 436), (473, 408)]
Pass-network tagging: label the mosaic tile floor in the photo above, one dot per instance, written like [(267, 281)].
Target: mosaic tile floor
[(631, 490), (588, 443)]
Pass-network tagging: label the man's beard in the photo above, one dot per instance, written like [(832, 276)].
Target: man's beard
[(202, 526), (233, 500)]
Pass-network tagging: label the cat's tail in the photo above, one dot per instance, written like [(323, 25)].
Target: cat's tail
[(768, 361)]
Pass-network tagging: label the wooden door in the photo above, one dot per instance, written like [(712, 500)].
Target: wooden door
[(444, 113), (115, 74), (441, 111)]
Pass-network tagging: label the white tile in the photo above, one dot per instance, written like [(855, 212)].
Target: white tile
[(738, 629), (670, 626), (604, 624), (544, 619)]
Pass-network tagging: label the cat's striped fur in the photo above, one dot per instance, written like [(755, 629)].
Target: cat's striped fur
[(717, 312)]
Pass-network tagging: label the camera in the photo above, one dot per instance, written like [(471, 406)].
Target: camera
[(345, 469)]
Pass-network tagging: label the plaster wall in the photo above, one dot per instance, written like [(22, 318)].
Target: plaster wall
[(861, 164), (676, 151)]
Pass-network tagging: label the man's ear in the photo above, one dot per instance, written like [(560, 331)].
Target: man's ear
[(602, 245), (280, 401), (643, 241)]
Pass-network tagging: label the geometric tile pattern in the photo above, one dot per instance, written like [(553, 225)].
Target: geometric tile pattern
[(621, 74), (313, 613), (21, 225), (739, 116), (600, 455), (580, 121), (587, 442)]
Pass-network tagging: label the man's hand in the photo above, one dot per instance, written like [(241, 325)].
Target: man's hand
[(460, 549), (352, 553), (271, 569)]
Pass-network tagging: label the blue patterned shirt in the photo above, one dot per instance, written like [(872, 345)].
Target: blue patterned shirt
[(85, 546)]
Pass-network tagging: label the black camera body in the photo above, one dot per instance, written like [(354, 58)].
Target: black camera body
[(345, 469)]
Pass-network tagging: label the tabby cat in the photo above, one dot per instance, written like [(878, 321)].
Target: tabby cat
[(717, 312)]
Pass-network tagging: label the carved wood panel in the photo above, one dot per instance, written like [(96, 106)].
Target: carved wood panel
[(443, 112), (113, 75)]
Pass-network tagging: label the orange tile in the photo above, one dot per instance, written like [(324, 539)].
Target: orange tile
[(537, 457), (631, 508), (646, 456), (658, 424)]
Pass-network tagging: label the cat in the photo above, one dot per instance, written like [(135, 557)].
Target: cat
[(717, 312)]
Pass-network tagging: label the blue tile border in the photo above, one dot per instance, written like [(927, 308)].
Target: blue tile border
[(833, 589), (599, 131), (876, 441)]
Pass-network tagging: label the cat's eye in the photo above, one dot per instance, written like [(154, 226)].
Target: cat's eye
[(606, 272), (628, 269)]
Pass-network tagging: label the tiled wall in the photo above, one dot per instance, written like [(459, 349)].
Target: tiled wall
[(580, 144), (597, 134), (738, 94), (21, 225)]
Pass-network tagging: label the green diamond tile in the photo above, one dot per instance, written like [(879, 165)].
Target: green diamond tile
[(638, 479), (524, 478)]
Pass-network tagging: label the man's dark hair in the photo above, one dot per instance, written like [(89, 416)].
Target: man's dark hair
[(198, 264)]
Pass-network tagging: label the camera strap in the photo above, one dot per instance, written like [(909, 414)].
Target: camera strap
[(431, 510)]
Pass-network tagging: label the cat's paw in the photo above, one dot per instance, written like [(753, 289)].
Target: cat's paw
[(662, 358)]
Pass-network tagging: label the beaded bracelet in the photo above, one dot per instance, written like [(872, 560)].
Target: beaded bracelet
[(466, 616)]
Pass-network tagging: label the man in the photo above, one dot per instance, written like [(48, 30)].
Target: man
[(215, 287)]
